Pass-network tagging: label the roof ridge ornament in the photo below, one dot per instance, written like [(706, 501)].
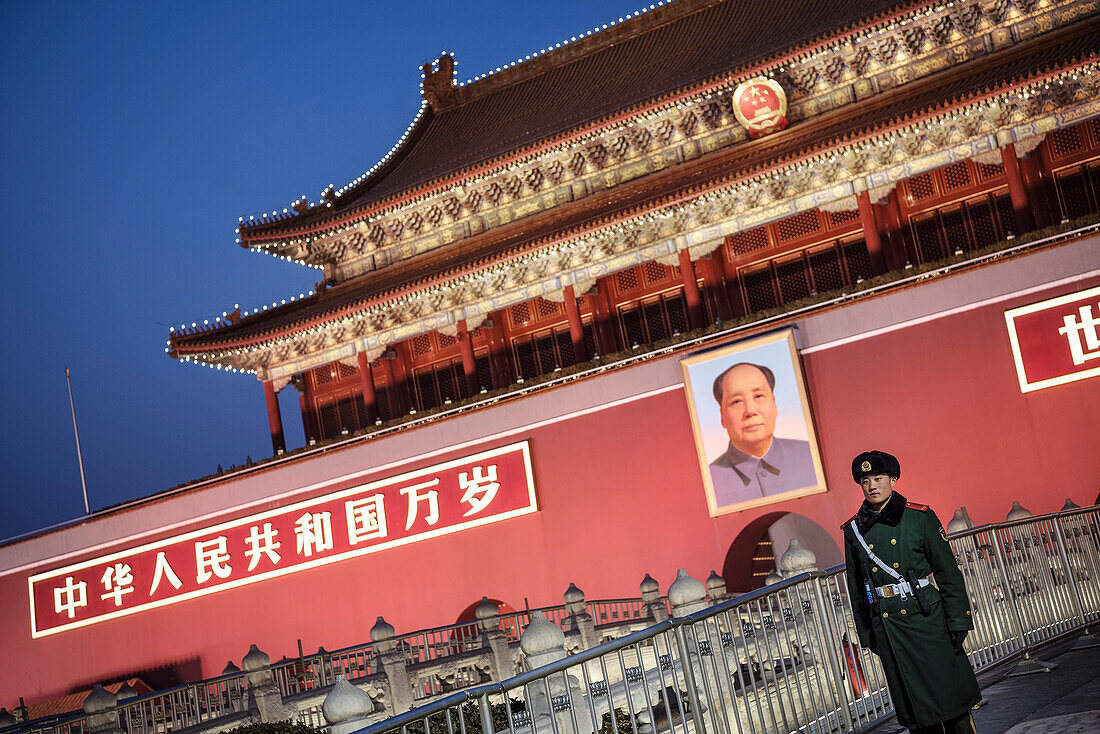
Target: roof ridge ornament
[(438, 87)]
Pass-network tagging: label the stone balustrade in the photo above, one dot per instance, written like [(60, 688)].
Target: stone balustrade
[(349, 689)]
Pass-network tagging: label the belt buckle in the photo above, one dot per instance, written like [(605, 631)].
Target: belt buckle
[(888, 592)]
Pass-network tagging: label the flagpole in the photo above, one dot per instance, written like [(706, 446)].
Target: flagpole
[(76, 432)]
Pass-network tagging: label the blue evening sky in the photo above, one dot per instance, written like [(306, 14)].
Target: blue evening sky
[(132, 137)]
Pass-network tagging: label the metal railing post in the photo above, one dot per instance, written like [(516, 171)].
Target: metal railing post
[(839, 672), (1077, 603), (689, 679), (486, 714), (1028, 665)]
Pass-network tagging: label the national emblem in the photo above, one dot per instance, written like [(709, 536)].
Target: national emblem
[(865, 466), (760, 106)]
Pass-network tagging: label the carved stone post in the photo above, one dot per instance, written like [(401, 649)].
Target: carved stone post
[(235, 697), (493, 637), (1018, 512), (797, 559), (716, 588), (101, 711), (346, 707), (686, 594), (651, 599), (264, 695), (393, 664), (579, 618), (960, 521), (543, 643)]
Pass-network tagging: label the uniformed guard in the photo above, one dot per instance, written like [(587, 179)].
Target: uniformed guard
[(914, 622)]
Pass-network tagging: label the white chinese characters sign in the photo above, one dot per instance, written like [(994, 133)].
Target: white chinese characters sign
[(488, 487), (1056, 341)]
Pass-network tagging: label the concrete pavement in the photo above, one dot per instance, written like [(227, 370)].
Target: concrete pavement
[(1063, 701)]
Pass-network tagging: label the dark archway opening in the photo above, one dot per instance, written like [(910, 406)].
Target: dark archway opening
[(755, 552)]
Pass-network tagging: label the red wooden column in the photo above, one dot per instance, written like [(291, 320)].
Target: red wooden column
[(274, 417), (896, 249), (871, 234), (715, 284), (576, 328), (732, 283), (499, 365), (691, 290), (1016, 189), (469, 364), (366, 378), (606, 328), (1037, 181)]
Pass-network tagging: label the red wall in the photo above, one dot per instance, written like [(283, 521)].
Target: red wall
[(621, 496)]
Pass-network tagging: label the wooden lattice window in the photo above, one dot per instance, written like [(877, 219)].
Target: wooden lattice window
[(519, 314), (626, 280), (956, 176), (546, 309), (748, 241), (421, 345), (837, 219), (346, 372), (446, 340), (655, 272), (798, 226), (921, 187), (987, 171), (1063, 142), (825, 269), (323, 375)]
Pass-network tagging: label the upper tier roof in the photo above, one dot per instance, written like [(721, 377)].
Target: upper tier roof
[(954, 87), (644, 60)]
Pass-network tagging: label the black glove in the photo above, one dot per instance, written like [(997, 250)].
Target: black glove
[(957, 638)]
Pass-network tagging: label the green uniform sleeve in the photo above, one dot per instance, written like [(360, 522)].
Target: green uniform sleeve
[(860, 610), (948, 577)]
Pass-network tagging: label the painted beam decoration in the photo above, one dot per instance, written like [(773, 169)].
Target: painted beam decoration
[(445, 498), (1056, 341)]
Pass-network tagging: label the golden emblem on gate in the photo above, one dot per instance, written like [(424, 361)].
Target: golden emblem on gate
[(865, 466), (760, 106)]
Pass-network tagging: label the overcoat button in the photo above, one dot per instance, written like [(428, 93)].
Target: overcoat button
[(893, 541), (872, 546), (874, 570), (885, 615), (895, 565), (903, 611)]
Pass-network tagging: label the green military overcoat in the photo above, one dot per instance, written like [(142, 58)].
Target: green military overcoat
[(928, 682)]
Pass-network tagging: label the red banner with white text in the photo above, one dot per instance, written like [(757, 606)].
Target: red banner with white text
[(1057, 340), (488, 487)]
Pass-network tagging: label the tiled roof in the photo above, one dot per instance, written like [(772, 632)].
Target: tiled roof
[(651, 57), (972, 80)]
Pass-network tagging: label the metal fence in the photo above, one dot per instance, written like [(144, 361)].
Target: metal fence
[(784, 658)]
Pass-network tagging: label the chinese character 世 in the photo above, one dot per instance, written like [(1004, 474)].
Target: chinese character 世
[(117, 581), (262, 543), (212, 559), (314, 531), (1073, 330), (67, 598), (481, 483), (415, 497), (366, 518)]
